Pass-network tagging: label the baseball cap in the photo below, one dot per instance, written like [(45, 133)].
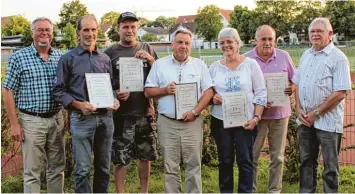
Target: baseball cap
[(126, 15)]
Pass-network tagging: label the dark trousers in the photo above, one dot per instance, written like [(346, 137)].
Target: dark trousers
[(234, 143), (310, 140)]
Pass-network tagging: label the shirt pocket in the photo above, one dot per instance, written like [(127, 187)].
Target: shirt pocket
[(325, 77), (193, 77)]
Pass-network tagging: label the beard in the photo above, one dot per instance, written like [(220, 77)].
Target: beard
[(43, 44), (86, 43)]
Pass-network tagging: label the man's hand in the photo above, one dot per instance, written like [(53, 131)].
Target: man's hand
[(288, 91), (269, 104), (217, 99), (144, 55), (86, 108), (188, 116), (311, 118), (116, 105), (250, 125), (303, 117), (122, 95), (17, 133), (171, 88)]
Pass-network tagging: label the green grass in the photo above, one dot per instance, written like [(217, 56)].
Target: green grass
[(209, 180)]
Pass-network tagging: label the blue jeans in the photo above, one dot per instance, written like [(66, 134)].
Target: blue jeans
[(241, 142), (310, 140), (92, 133)]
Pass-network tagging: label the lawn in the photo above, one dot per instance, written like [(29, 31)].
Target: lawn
[(209, 180)]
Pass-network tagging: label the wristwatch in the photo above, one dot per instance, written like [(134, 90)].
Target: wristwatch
[(316, 112), (257, 117), (194, 113)]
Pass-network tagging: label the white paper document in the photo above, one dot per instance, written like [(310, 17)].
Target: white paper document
[(99, 89), (185, 98), (275, 85), (235, 109), (131, 74)]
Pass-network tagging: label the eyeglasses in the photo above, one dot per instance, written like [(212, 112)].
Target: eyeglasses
[(269, 39), (318, 31), (41, 30)]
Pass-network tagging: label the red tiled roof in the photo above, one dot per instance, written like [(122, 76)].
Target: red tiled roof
[(105, 27), (226, 13), (4, 20), (186, 19)]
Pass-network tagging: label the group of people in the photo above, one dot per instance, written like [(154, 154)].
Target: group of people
[(39, 81)]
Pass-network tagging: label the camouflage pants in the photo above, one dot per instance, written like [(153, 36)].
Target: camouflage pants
[(134, 138)]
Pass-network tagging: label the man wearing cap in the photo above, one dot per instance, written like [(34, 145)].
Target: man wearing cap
[(134, 136), (91, 127)]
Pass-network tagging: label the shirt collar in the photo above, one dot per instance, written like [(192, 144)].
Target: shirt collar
[(80, 50), (176, 61), (273, 56), (34, 50), (327, 50)]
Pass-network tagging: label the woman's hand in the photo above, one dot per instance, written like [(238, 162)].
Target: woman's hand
[(217, 99)]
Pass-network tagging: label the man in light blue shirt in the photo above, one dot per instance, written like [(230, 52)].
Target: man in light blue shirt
[(322, 82), (180, 140)]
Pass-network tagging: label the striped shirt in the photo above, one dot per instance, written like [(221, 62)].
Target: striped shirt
[(319, 75), (31, 79)]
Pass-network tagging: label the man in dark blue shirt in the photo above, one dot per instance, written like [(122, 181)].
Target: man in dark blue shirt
[(91, 128)]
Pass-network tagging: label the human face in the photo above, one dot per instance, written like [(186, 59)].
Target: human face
[(229, 46), (181, 47), (88, 33), (319, 36), (128, 31), (42, 33), (265, 42)]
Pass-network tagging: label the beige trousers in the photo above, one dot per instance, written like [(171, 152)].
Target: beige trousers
[(181, 141), (44, 140), (275, 131)]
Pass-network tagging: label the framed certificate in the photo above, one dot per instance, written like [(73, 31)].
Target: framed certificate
[(185, 98), (275, 85), (131, 74), (99, 89), (235, 109)]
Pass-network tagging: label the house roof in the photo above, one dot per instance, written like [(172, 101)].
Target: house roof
[(186, 19), (191, 18), (4, 20), (105, 27), (189, 26), (158, 31), (226, 13)]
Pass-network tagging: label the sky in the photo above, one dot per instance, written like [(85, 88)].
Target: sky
[(149, 9)]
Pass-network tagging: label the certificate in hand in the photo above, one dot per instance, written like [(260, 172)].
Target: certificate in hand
[(235, 109), (99, 89), (131, 74), (275, 85), (185, 98)]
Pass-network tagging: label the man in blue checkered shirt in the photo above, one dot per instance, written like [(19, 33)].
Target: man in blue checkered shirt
[(29, 79)]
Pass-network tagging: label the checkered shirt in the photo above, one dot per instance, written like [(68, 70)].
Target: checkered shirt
[(31, 79)]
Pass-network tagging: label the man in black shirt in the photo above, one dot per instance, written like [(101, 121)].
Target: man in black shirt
[(134, 136)]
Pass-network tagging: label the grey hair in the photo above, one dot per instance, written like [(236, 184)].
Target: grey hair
[(78, 23), (182, 30), (40, 19), (230, 32), (264, 27), (324, 21)]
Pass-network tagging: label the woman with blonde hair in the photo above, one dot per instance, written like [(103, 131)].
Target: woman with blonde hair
[(236, 73)]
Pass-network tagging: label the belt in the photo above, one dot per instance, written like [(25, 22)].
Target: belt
[(42, 115), (100, 111), (172, 118)]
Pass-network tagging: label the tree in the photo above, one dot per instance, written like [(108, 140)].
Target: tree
[(71, 12), (143, 21), (110, 18), (308, 11), (208, 22), (342, 17), (241, 19), (163, 22), (113, 34), (69, 36), (149, 37), (15, 25)]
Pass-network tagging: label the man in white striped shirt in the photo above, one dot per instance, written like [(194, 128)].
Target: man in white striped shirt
[(322, 82)]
